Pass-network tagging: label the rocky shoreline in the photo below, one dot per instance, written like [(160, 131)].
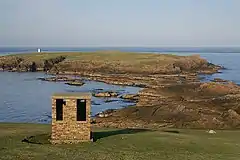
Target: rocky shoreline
[(190, 104), (68, 80), (172, 94)]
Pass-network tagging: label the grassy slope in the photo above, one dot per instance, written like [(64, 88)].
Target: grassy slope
[(113, 61), (107, 57), (188, 144), (103, 55)]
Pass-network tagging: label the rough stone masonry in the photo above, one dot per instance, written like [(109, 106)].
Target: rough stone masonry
[(69, 122)]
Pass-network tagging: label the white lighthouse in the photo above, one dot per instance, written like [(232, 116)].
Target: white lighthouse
[(39, 50)]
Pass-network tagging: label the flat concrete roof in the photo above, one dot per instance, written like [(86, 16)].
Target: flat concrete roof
[(73, 95)]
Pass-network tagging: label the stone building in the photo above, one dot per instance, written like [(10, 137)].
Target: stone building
[(71, 118)]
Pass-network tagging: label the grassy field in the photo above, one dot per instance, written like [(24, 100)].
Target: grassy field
[(112, 61), (98, 55), (107, 57), (122, 144)]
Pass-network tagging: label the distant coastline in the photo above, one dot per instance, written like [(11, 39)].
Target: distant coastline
[(14, 50)]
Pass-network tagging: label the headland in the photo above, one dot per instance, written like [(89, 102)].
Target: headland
[(172, 94)]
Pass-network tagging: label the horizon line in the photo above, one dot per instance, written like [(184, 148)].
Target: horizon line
[(123, 46)]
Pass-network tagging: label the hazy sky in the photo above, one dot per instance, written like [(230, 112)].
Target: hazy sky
[(120, 22)]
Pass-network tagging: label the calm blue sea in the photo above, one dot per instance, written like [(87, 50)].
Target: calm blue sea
[(23, 98)]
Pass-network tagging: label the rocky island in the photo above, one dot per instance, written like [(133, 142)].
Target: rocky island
[(172, 93)]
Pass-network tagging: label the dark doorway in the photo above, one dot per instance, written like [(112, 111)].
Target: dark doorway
[(59, 109), (81, 110)]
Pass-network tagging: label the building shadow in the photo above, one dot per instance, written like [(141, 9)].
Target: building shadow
[(103, 134), (38, 139), (44, 138), (171, 131)]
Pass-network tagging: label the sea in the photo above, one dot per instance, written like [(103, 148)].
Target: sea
[(24, 98)]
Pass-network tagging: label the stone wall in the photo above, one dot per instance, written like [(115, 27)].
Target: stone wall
[(69, 130)]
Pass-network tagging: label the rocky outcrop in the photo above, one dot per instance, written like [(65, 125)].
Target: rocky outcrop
[(182, 106), (131, 97), (105, 94), (68, 80), (75, 83), (110, 100), (28, 64), (220, 88), (233, 114), (106, 113), (219, 80), (60, 79)]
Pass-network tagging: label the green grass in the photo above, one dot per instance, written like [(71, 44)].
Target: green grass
[(121, 144), (111, 62), (100, 56)]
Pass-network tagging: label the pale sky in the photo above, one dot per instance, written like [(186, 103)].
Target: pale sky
[(120, 23)]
